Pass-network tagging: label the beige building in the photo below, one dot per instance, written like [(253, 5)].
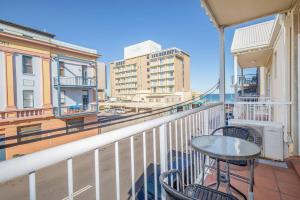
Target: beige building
[(149, 74), (102, 81)]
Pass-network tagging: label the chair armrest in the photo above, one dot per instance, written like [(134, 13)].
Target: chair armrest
[(166, 174)]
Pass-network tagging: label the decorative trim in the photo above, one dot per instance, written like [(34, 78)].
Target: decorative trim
[(10, 50), (49, 45)]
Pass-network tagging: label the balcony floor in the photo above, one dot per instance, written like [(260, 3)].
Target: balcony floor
[(273, 183)]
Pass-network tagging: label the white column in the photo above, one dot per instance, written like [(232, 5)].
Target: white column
[(236, 72), (222, 74), (242, 84), (262, 81)]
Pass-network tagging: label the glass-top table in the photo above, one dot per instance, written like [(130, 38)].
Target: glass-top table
[(228, 148)]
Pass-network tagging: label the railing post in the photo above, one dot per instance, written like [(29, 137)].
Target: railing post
[(97, 174), (32, 186), (70, 178), (206, 127), (163, 153)]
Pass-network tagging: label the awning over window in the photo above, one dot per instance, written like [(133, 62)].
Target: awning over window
[(226, 13)]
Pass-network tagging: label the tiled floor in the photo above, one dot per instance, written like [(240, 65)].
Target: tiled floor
[(271, 183)]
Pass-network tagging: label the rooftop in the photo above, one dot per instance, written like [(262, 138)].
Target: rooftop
[(35, 34), (255, 36), (30, 29)]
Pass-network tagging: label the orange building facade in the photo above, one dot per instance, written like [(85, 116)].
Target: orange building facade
[(44, 84)]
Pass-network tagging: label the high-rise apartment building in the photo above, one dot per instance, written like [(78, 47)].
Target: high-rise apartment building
[(44, 84), (149, 73)]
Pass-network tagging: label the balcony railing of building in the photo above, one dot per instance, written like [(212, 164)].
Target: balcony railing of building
[(174, 133), (24, 113), (76, 81), (261, 111), (253, 99), (72, 110), (245, 80)]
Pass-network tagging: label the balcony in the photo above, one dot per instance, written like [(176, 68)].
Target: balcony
[(122, 164), (75, 110), (24, 113), (245, 80), (261, 110), (76, 81)]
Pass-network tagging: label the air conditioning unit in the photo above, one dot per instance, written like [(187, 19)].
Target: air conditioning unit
[(267, 135)]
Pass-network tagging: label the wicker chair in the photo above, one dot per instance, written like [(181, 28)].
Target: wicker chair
[(191, 192), (237, 132)]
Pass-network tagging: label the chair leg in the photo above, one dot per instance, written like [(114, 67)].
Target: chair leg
[(228, 178), (229, 184), (217, 183), (218, 174), (237, 191)]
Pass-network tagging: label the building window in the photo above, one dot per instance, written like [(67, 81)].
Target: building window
[(28, 99), (25, 130), (74, 125), (27, 65), (63, 97), (61, 69)]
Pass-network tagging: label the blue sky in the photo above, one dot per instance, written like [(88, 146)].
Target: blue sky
[(110, 25)]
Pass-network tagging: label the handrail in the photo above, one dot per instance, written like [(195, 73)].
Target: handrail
[(24, 165), (260, 103)]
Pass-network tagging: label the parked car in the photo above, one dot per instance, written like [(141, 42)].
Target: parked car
[(120, 111), (140, 194)]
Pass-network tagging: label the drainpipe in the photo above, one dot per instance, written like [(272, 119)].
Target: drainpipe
[(243, 80), (58, 86), (222, 75), (96, 93), (295, 86), (235, 76)]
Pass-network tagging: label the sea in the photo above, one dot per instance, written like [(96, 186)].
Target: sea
[(216, 98)]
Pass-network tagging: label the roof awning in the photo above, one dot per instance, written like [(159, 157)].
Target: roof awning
[(258, 58), (224, 13)]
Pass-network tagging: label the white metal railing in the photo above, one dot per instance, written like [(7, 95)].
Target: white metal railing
[(75, 109), (247, 79), (178, 128), (261, 111), (253, 99), (75, 81)]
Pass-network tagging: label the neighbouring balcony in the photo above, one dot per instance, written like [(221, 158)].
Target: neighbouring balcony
[(253, 99), (76, 81), (73, 110), (261, 110), (245, 80), (126, 163)]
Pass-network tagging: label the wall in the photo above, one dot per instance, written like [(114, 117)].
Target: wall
[(28, 81), (102, 77), (2, 82)]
